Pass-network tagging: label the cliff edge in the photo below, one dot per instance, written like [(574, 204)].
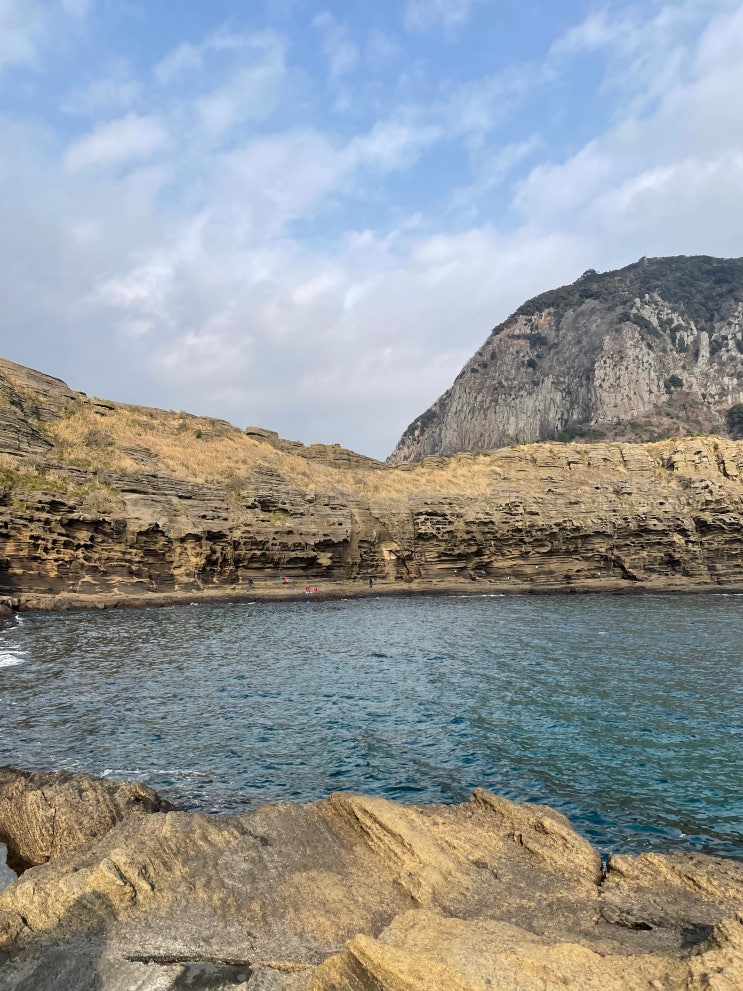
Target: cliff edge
[(106, 502)]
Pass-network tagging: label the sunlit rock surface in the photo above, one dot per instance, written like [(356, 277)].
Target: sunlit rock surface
[(363, 894), (43, 815)]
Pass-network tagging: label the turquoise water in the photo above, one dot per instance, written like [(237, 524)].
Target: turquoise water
[(626, 713)]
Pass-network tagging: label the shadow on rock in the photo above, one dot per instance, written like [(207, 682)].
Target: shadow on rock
[(64, 957)]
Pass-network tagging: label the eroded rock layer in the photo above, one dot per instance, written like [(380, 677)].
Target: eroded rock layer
[(43, 815), (126, 501), (363, 894)]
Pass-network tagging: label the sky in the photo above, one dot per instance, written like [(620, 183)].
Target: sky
[(307, 215)]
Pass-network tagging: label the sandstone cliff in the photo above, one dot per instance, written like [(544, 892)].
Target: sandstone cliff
[(650, 351), (362, 894), (103, 499)]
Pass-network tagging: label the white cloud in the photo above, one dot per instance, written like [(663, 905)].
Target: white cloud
[(21, 22), (693, 128), (204, 355), (382, 48), (448, 15), (249, 95), (128, 138), (342, 53), (475, 109), (253, 87), (252, 66), (77, 8), (392, 144), (491, 168), (648, 52), (30, 28), (145, 289), (271, 181), (109, 95), (600, 29), (664, 178), (556, 190), (182, 59), (719, 48)]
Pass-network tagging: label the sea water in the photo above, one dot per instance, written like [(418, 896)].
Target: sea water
[(623, 712)]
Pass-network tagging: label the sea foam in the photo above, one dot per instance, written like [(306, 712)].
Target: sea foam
[(9, 659)]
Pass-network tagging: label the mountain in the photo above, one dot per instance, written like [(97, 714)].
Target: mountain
[(111, 504), (651, 351)]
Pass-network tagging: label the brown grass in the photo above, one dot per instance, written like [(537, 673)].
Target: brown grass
[(21, 477), (200, 449), (136, 439)]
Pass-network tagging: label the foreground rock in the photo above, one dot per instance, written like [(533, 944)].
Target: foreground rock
[(362, 894), (42, 815)]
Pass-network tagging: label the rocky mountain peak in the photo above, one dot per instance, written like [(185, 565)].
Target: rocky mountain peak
[(647, 352)]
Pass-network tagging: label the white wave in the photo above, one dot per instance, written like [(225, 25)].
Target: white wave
[(9, 659), (476, 595)]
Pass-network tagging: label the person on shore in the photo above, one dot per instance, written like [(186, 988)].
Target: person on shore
[(250, 584), (371, 582)]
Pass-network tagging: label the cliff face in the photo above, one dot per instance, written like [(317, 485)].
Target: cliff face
[(651, 351), (99, 497)]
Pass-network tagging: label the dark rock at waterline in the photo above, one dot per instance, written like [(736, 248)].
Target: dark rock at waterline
[(363, 894), (42, 815), (8, 606)]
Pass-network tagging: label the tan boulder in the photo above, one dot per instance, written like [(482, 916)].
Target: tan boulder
[(424, 951), (43, 814)]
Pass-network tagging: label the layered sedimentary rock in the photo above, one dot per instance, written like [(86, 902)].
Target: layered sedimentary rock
[(128, 501), (363, 894), (650, 351)]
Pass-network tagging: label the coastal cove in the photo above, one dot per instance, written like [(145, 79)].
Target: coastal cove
[(623, 712), (371, 496)]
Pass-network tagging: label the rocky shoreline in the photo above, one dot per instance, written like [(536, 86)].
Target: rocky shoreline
[(347, 894), (104, 505), (273, 591)]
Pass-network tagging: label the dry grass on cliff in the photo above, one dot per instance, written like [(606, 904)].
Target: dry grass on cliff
[(106, 437), (191, 448), (200, 449), (22, 477), (196, 449), (135, 439)]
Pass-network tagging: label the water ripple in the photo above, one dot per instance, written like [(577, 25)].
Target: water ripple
[(624, 713)]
